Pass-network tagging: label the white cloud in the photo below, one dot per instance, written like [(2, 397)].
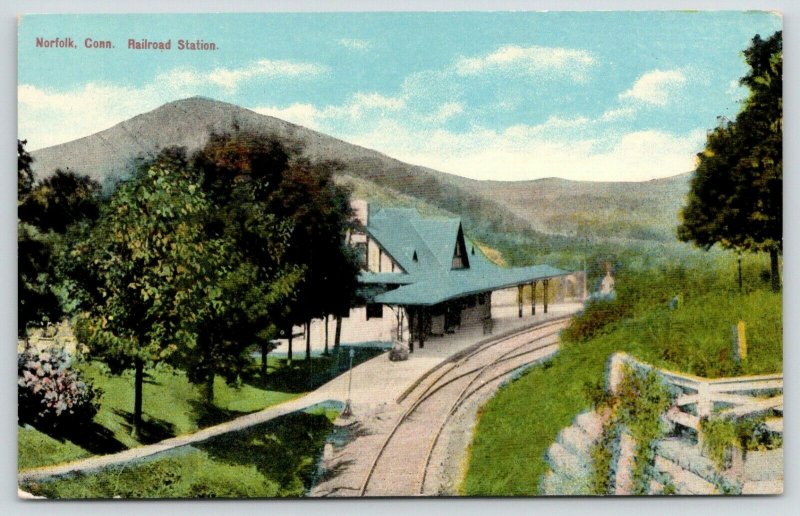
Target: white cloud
[(354, 44), (445, 112), (523, 152), (367, 101), (301, 114), (736, 91), (359, 107), (612, 115), (578, 147), (655, 87), (231, 78), (528, 60), (49, 117)]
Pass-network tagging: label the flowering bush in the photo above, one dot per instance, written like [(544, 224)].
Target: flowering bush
[(50, 393)]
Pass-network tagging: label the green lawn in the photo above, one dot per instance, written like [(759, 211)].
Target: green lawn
[(171, 405), (695, 338), (275, 459)]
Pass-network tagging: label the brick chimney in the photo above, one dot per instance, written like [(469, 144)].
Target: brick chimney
[(361, 210)]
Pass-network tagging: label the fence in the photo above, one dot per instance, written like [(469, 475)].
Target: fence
[(699, 397)]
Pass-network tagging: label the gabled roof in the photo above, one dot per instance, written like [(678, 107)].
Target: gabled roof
[(401, 232), (430, 279)]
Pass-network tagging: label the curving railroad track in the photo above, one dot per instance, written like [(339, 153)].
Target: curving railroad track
[(402, 464)]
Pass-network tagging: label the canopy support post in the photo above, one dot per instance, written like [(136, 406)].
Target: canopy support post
[(421, 317), (545, 283)]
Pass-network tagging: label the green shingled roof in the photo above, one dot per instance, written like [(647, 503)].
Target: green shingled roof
[(430, 279)]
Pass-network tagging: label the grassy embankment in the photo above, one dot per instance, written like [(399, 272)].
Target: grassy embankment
[(275, 459), (695, 338), (173, 406)]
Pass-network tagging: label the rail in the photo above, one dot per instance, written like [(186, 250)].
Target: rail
[(440, 382)]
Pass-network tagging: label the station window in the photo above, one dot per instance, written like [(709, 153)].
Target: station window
[(361, 252)]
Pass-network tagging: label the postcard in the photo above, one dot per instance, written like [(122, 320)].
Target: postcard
[(400, 254)]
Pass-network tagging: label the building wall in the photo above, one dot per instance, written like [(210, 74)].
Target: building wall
[(387, 264), (355, 329), (373, 255), (377, 260)]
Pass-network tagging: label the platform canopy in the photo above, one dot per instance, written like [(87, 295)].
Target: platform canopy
[(438, 263)]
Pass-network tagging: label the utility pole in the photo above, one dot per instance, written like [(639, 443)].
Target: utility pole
[(348, 408)]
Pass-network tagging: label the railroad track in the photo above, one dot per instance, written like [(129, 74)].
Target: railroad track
[(450, 389)]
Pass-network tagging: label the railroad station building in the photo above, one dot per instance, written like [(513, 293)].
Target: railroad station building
[(422, 277)]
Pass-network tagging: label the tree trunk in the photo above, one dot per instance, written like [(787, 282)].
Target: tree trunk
[(338, 335), (138, 382), (326, 335), (774, 270), (289, 354), (308, 341), (208, 389), (263, 360)]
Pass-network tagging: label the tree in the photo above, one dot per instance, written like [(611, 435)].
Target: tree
[(150, 265), (735, 199), (46, 211), (239, 172), (60, 200), (321, 216), (24, 173)]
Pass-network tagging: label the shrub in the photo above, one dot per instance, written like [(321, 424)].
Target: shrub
[(597, 315), (50, 394), (721, 435), (641, 399)]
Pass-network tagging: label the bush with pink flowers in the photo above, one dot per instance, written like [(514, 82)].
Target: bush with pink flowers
[(50, 393)]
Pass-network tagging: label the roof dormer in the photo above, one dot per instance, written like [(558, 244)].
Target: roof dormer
[(460, 257)]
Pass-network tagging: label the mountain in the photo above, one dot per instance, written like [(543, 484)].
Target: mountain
[(546, 213), (646, 210)]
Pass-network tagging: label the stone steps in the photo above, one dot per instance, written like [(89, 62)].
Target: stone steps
[(566, 463), (570, 458), (591, 423), (688, 456), (678, 462), (577, 441), (684, 480)]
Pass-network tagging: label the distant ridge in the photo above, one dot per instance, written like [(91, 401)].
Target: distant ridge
[(541, 206)]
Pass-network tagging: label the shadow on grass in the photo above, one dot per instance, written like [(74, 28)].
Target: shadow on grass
[(306, 375), (206, 415), (92, 437), (153, 429), (284, 450)]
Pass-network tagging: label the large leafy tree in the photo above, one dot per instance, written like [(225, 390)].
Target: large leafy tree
[(238, 173), (321, 215), (735, 198), (47, 211), (151, 268), (60, 200), (267, 190)]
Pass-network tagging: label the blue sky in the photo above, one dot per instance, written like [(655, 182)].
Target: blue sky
[(507, 96)]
